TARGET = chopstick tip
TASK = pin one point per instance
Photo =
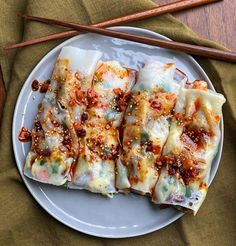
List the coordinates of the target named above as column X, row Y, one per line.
column 9, row 47
column 21, row 15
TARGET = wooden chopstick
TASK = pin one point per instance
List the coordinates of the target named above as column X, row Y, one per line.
column 172, row 45
column 167, row 8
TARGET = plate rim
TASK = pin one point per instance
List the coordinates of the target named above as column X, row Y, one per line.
column 27, row 183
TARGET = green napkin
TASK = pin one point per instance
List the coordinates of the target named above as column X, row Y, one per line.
column 22, row 220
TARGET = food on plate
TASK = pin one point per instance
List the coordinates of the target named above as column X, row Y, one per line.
column 146, row 126
column 54, row 140
column 190, row 148
column 97, row 130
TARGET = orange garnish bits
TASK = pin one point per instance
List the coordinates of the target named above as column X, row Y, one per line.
column 24, row 135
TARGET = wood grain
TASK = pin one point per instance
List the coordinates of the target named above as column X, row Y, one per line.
column 216, row 22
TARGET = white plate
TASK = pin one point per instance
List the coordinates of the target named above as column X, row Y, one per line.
column 124, row 215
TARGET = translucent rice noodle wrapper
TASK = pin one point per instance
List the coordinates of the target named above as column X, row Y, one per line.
column 190, row 148
column 107, row 101
column 54, row 140
column 146, row 125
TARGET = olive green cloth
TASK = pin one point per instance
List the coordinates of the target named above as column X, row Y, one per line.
column 22, row 220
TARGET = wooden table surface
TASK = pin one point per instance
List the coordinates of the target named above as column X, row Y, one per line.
column 215, row 21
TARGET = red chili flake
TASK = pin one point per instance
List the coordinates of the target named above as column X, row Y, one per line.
column 79, row 130
column 35, row 85
column 118, row 91
column 46, row 152
column 37, row 125
column 55, row 123
column 172, row 111
column 187, row 175
column 199, row 84
column 188, row 163
column 186, row 178
column 178, row 116
column 197, row 105
column 155, row 104
column 122, row 100
column 139, row 166
column 158, row 162
column 156, row 149
column 81, row 133
column 108, row 126
column 203, row 185
column 79, row 97
column 77, row 126
column 24, row 135
column 133, row 179
column 115, row 152
column 217, row 118
column 67, row 140
column 72, row 103
column 84, row 116
column 93, row 98
column 149, row 146
column 168, row 159
column 98, row 141
column 196, row 135
column 44, row 86
column 172, row 170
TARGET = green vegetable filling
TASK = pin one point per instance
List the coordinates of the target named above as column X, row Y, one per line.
column 171, row 180
column 66, row 184
column 54, row 169
column 106, row 150
column 42, row 162
column 188, row 192
column 144, row 137
column 165, row 188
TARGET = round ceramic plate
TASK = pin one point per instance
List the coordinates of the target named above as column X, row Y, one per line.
column 124, row 215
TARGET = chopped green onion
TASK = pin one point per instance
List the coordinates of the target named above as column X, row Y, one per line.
column 66, row 184
column 144, row 137
column 42, row 162
column 188, row 192
column 54, row 169
column 165, row 188
column 106, row 150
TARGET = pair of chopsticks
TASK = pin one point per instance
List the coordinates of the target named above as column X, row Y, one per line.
column 168, row 8
column 178, row 46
